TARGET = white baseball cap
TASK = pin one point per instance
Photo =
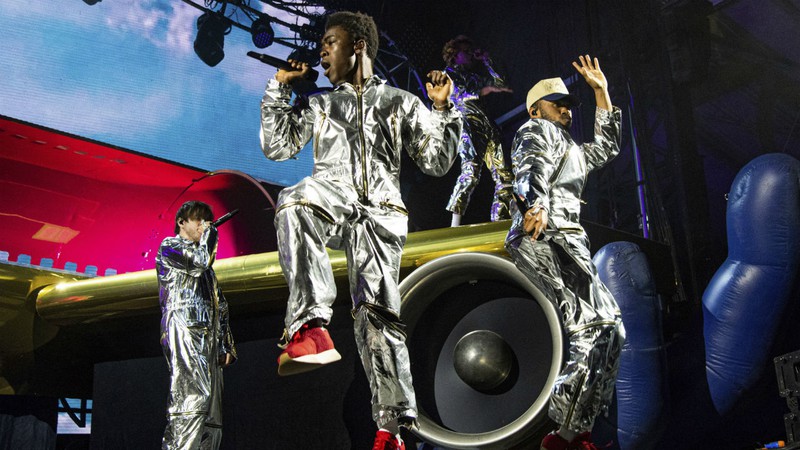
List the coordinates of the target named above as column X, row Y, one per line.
column 551, row 89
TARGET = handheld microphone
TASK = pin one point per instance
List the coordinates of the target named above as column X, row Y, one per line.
column 225, row 218
column 281, row 64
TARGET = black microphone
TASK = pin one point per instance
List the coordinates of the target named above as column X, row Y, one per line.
column 225, row 218
column 281, row 64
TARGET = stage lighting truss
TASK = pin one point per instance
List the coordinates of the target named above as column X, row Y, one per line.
column 303, row 35
column 397, row 69
column 306, row 33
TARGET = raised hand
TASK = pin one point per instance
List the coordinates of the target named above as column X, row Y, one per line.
column 590, row 70
column 440, row 87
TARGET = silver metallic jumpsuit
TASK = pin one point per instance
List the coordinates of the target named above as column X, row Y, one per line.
column 550, row 172
column 194, row 334
column 352, row 202
column 480, row 143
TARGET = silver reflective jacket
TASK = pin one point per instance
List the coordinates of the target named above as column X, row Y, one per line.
column 195, row 333
column 358, row 135
column 550, row 170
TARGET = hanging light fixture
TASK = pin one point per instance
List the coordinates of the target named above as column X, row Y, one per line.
column 210, row 39
column 262, row 32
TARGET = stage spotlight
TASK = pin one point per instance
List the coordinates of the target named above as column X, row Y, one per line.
column 262, row 32
column 210, row 39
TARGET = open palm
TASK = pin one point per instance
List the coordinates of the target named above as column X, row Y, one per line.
column 590, row 70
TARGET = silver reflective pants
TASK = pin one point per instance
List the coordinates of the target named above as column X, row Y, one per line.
column 316, row 213
column 594, row 329
column 481, row 144
column 194, row 406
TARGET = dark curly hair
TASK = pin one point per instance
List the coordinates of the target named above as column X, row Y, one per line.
column 193, row 209
column 453, row 46
column 360, row 26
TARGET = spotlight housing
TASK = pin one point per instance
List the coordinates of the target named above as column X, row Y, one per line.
column 210, row 39
column 262, row 32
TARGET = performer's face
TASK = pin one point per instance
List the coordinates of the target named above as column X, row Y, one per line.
column 463, row 57
column 557, row 112
column 192, row 229
column 337, row 55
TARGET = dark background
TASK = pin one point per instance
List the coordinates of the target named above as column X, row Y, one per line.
column 705, row 86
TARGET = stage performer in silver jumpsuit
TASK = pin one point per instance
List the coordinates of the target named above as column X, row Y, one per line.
column 548, row 244
column 474, row 78
column 195, row 335
column 352, row 202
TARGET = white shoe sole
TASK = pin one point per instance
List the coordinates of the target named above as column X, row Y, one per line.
column 306, row 363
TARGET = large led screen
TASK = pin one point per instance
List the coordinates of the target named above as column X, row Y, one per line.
column 125, row 72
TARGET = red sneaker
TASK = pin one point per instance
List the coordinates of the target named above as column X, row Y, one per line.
column 309, row 349
column 582, row 441
column 386, row 441
column 554, row 442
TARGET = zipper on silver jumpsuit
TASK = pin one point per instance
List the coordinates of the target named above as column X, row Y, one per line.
column 359, row 110
column 422, row 146
column 574, row 401
column 597, row 323
column 396, row 208
column 319, row 210
column 582, row 162
column 319, row 133
column 395, row 140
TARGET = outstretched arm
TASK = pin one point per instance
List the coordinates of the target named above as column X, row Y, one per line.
column 497, row 82
column 596, row 79
column 605, row 144
column 486, row 90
